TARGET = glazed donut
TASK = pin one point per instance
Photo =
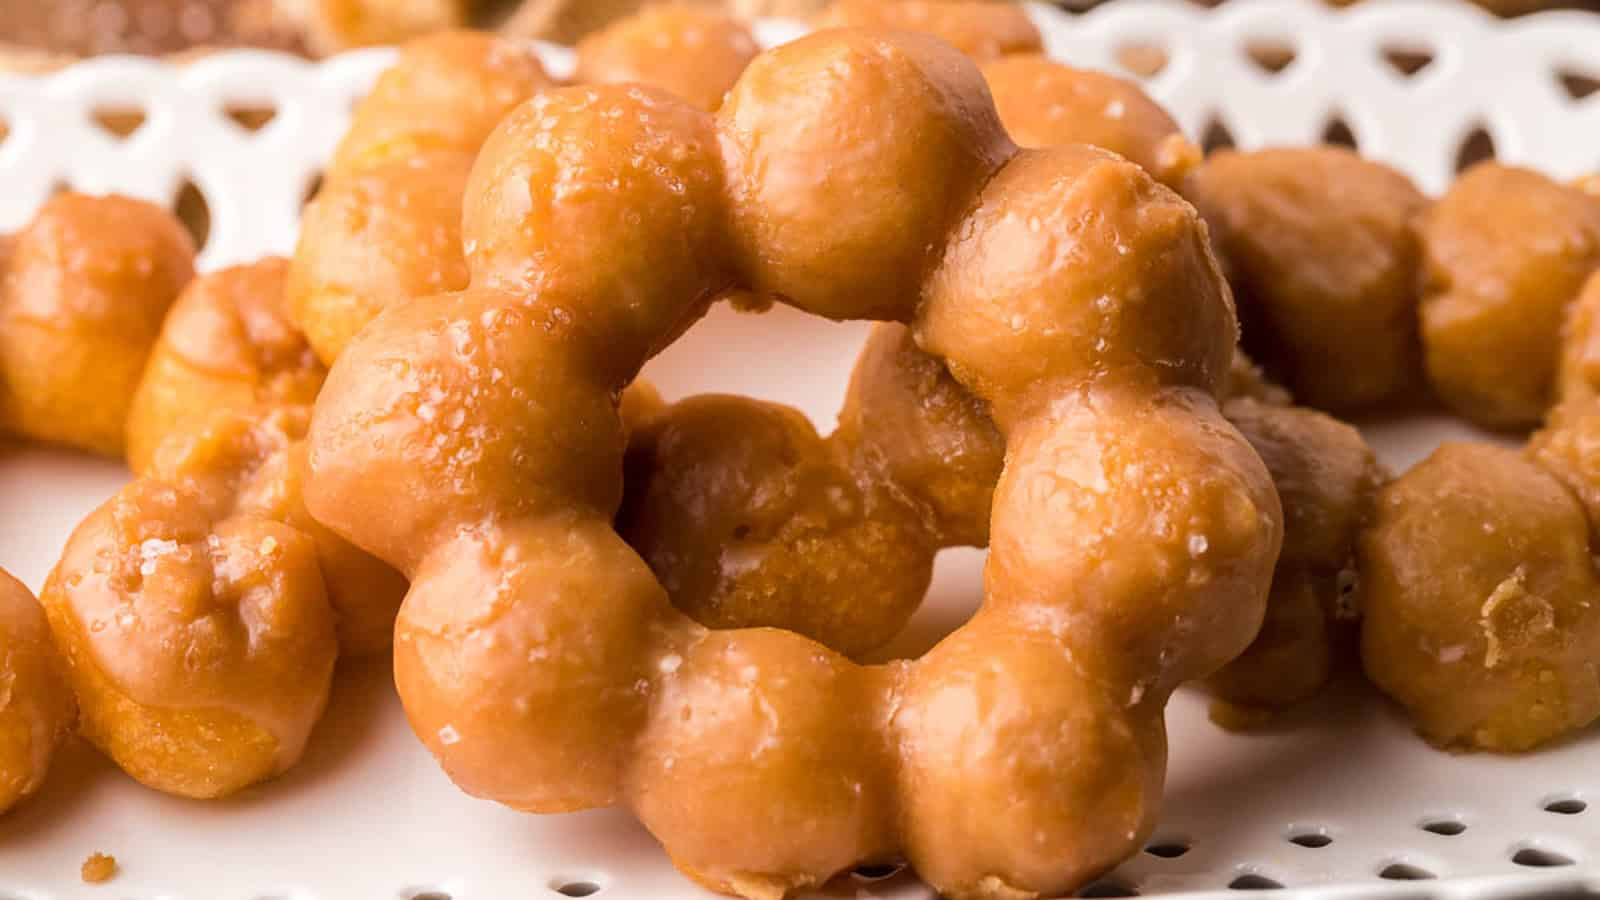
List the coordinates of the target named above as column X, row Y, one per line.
column 1480, row 563
column 472, row 439
column 83, row 290
column 194, row 615
column 39, row 710
column 227, row 346
column 1505, row 252
column 982, row 30
column 696, row 52
column 1044, row 103
column 386, row 224
column 227, row 343
column 1319, row 248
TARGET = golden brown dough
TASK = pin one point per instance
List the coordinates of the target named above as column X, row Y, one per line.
column 472, row 439
column 696, row 52
column 749, row 518
column 1318, row 245
column 1044, row 103
column 195, row 621
column 39, row 709
column 1327, row 479
column 981, row 30
column 1505, row 251
column 386, row 225
column 1480, row 613
column 227, row 343
column 228, row 347
column 83, row 291
column 1480, row 607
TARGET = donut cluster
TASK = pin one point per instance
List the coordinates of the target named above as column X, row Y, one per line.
column 472, row 439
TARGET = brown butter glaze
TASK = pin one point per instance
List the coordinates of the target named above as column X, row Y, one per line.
column 1319, row 247
column 696, row 52
column 386, row 224
column 83, row 291
column 37, row 709
column 1505, row 252
column 196, row 624
column 472, row 439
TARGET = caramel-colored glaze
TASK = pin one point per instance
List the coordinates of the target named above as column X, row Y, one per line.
column 696, row 52
column 1318, row 245
column 1505, row 253
column 1327, row 479
column 194, row 617
column 749, row 518
column 1569, row 443
column 82, row 294
column 979, row 29
column 386, row 225
column 228, row 346
column 37, row 709
column 1044, row 103
column 227, row 343
column 1480, row 575
column 473, row 440
column 1480, row 616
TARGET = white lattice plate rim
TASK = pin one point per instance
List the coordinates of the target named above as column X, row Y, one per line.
column 368, row 815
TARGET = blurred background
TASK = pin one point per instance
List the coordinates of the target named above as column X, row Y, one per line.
column 42, row 34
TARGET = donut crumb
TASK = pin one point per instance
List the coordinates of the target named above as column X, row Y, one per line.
column 99, row 868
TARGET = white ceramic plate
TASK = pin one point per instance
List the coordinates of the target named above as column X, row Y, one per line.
column 369, row 815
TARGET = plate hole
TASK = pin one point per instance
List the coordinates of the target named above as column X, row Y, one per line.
column 1408, row 61
column 1216, row 136
column 1142, row 58
column 250, row 116
column 1314, row 840
column 1444, row 827
column 1578, row 85
column 1108, row 889
column 1565, row 806
column 1540, row 858
column 1271, row 55
column 1250, row 881
column 1405, row 872
column 192, row 209
column 576, row 888
column 1338, row 133
column 1476, row 147
column 877, row 871
column 1168, row 849
column 117, row 120
column 431, row 895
